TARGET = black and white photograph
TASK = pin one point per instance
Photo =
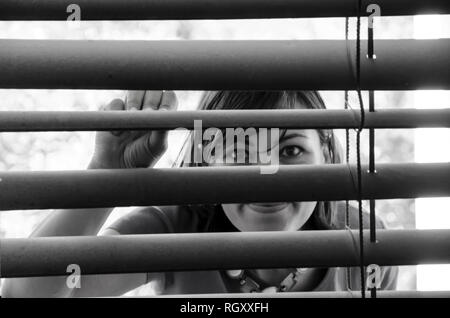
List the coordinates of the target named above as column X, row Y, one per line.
column 225, row 154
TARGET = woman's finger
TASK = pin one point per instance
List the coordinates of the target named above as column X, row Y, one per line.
column 152, row 100
column 116, row 104
column 134, row 100
column 169, row 101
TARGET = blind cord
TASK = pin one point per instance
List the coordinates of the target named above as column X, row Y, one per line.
column 347, row 159
column 358, row 148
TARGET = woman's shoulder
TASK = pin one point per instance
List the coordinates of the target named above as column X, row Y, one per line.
column 158, row 219
column 353, row 215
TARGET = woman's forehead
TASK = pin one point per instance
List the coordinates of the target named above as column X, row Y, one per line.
column 283, row 134
column 301, row 133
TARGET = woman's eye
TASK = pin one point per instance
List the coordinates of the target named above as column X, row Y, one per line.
column 292, row 151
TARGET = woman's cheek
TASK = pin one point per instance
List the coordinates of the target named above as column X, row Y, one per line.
column 302, row 212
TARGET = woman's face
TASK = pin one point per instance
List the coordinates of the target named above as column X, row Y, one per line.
column 295, row 147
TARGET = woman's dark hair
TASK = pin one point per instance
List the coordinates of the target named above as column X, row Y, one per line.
column 324, row 214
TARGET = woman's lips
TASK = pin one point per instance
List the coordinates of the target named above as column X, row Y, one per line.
column 268, row 207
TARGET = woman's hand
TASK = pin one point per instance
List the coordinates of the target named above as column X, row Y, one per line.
column 133, row 149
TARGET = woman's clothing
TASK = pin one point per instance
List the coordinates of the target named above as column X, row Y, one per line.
column 186, row 219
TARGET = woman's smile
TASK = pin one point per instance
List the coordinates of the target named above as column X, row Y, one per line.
column 268, row 207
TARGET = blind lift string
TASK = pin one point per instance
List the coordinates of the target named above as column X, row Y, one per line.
column 371, row 56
